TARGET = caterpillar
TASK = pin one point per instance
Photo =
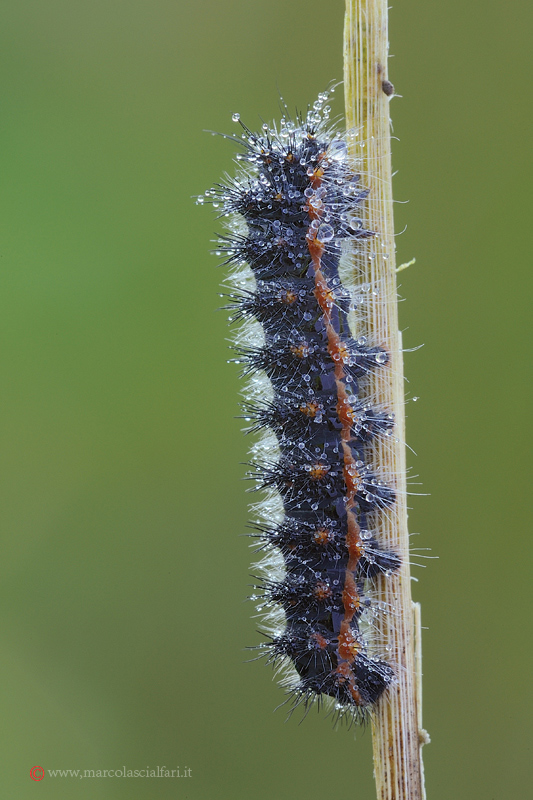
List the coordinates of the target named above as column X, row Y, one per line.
column 293, row 214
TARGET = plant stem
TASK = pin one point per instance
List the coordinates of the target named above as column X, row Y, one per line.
column 396, row 725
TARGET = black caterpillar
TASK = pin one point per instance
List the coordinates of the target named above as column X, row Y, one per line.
column 299, row 199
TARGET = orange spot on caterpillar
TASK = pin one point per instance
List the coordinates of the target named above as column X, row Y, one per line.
column 338, row 351
column 323, row 294
column 348, row 644
column 288, row 297
column 300, row 350
column 322, row 536
column 346, row 675
column 351, row 477
column 316, row 178
column 318, row 471
column 309, row 409
column 345, row 412
column 350, row 595
column 344, row 672
column 353, row 542
column 316, row 249
column 322, row 590
column 321, row 641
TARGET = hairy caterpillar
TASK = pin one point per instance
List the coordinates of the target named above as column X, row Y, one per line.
column 292, row 217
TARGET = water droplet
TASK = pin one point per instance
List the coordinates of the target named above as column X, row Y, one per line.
column 354, row 221
column 325, row 233
column 337, row 150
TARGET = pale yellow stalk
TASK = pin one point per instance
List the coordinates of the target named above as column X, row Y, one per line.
column 396, row 725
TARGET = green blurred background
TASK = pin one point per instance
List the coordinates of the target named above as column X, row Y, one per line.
column 123, row 572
